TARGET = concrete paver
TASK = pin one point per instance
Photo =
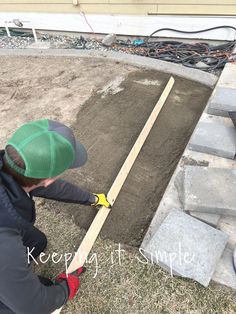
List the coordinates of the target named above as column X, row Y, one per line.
column 214, row 138
column 187, row 247
column 210, row 190
column 223, row 97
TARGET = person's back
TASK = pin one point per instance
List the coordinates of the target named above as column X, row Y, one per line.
column 20, row 289
column 34, row 157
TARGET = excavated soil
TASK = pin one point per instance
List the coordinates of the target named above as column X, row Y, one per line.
column 108, row 125
column 107, row 104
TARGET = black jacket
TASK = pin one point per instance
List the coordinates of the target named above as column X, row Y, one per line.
column 20, row 288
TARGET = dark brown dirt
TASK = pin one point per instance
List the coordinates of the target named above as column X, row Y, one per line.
column 109, row 126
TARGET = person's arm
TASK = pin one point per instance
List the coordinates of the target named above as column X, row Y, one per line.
column 63, row 191
column 20, row 289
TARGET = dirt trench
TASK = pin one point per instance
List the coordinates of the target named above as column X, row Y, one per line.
column 108, row 125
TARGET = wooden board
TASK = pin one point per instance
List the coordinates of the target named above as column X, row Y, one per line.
column 96, row 226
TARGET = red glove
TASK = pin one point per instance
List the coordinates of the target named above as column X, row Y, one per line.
column 72, row 280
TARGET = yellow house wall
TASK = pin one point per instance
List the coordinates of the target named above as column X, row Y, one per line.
column 197, row 7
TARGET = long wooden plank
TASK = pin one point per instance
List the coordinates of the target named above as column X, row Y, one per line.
column 96, row 226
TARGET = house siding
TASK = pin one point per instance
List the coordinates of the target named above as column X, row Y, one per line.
column 143, row 7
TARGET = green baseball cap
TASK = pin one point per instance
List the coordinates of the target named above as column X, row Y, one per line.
column 47, row 147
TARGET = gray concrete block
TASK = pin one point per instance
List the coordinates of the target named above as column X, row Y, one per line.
column 187, row 247
column 210, row 190
column 214, row 138
column 223, row 98
column 227, row 77
column 210, row 219
column 224, row 273
column 222, row 101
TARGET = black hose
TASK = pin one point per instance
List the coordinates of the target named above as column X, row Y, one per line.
column 198, row 55
column 191, row 32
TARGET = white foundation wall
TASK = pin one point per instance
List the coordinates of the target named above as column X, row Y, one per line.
column 131, row 25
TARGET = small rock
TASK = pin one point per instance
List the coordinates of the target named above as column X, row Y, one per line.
column 109, row 40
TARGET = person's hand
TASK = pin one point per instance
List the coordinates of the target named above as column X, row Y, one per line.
column 101, row 200
column 72, row 281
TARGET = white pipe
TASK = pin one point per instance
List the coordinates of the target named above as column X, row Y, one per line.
column 7, row 30
column 35, row 35
column 11, row 22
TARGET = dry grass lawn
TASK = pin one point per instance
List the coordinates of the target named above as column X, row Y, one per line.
column 125, row 284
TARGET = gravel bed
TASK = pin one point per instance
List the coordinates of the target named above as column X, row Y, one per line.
column 63, row 42
column 57, row 42
column 15, row 42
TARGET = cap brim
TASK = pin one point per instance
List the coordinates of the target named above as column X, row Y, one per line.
column 81, row 156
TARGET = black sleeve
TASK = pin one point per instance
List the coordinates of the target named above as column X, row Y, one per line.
column 63, row 191
column 20, row 288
